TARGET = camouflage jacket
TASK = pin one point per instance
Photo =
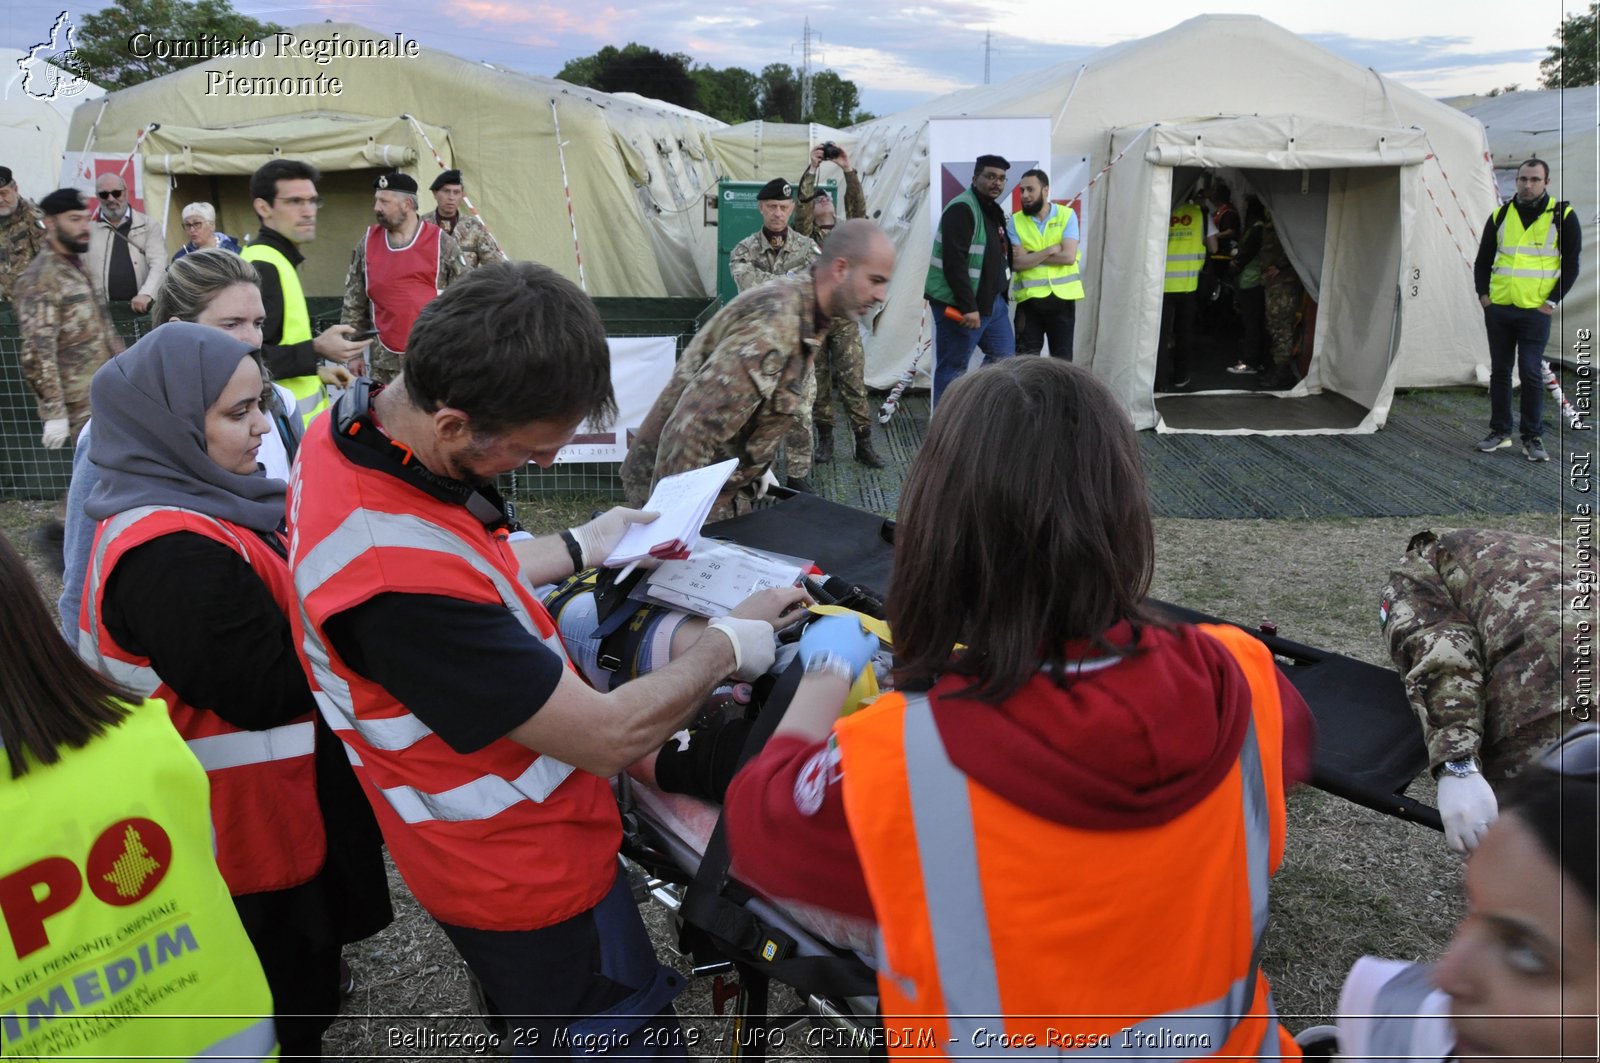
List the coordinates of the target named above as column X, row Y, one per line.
column 478, row 245
column 1473, row 620
column 66, row 334
column 754, row 261
column 741, row 385
column 21, row 240
column 855, row 202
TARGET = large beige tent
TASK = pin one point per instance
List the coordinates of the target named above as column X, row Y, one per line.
column 1558, row 126
column 638, row 172
column 1379, row 190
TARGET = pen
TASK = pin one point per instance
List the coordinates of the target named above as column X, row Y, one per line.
column 627, row 570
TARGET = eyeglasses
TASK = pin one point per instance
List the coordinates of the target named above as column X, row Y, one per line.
column 1576, row 755
column 301, row 201
column 112, row 193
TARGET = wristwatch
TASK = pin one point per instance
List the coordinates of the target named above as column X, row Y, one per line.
column 1459, row 768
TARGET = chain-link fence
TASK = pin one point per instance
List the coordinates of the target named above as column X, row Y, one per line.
column 29, row 471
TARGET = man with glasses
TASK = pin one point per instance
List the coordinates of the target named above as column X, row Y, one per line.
column 284, row 195
column 127, row 251
column 1473, row 619
column 968, row 275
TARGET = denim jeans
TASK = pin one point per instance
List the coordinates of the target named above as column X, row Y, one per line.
column 1516, row 338
column 953, row 343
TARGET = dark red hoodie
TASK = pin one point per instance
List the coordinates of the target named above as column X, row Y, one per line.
column 1129, row 742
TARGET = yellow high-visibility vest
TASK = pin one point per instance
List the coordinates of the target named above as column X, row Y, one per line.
column 310, row 398
column 1186, row 248
column 1527, row 261
column 1061, row 281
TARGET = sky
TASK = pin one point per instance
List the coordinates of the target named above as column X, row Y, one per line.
column 905, row 53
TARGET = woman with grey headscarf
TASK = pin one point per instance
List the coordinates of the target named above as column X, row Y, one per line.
column 187, row 599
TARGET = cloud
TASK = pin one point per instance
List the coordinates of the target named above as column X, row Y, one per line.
column 873, row 68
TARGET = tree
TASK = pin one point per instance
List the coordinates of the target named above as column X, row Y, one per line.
column 780, row 93
column 1574, row 57
column 731, row 95
column 835, row 100
column 116, row 46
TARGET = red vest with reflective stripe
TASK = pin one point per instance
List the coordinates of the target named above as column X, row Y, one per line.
column 498, row 839
column 1078, row 937
column 401, row 281
column 263, row 783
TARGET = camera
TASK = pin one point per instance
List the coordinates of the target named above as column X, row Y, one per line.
column 830, row 150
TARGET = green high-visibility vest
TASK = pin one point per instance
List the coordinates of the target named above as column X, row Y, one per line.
column 937, row 286
column 1186, row 248
column 1527, row 261
column 1042, row 280
column 310, row 398
column 121, row 937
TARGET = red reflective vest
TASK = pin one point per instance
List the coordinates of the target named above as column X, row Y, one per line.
column 263, row 783
column 498, row 839
column 401, row 281
column 1004, row 931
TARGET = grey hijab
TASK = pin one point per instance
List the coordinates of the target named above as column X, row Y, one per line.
column 149, row 437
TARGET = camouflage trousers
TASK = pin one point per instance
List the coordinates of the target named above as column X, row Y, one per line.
column 383, row 364
column 797, row 441
column 843, row 362
column 1283, row 305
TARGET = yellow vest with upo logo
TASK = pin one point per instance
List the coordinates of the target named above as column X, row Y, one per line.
column 121, row 939
column 1186, row 248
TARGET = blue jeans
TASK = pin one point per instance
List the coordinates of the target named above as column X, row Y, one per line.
column 953, row 343
column 1516, row 337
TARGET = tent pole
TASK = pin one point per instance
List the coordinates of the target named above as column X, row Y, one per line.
column 572, row 219
column 423, row 133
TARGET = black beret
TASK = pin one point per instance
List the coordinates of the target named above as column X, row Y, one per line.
column 985, row 161
column 5, row 176
column 396, row 182
column 449, row 177
column 62, row 200
column 777, row 188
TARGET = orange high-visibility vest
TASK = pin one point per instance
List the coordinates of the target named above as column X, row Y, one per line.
column 263, row 783
column 502, row 838
column 1004, row 932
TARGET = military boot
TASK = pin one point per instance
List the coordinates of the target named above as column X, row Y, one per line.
column 822, row 447
column 864, row 452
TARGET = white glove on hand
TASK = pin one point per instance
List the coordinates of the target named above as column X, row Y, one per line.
column 600, row 536
column 1467, row 806
column 55, row 434
column 754, row 646
column 765, row 484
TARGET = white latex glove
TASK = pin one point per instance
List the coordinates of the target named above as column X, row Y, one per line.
column 766, row 483
column 1467, row 806
column 753, row 645
column 601, row 535
column 55, row 434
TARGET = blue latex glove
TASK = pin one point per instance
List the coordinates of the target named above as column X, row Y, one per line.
column 841, row 635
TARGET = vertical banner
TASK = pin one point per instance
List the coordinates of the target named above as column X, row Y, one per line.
column 954, row 145
column 82, row 169
column 640, row 369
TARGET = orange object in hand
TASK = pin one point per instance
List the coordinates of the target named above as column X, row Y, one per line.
column 954, row 315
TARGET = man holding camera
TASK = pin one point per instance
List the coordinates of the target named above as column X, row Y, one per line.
column 842, row 359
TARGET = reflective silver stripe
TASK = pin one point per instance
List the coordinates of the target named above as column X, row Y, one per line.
column 947, row 846
column 1198, row 256
column 366, row 529
column 256, row 1041
column 215, row 752
column 1172, row 273
column 1536, row 274
column 1395, row 1009
column 141, row 679
column 485, row 796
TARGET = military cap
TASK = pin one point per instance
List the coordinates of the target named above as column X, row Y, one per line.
column 5, row 176
column 777, row 188
column 62, row 200
column 449, row 177
column 999, row 163
column 396, row 182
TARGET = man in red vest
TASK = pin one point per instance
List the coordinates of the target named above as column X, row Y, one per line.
column 398, row 268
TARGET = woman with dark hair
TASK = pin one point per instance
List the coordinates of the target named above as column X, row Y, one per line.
column 84, row 860
column 1521, row 977
column 187, row 599
column 1068, row 812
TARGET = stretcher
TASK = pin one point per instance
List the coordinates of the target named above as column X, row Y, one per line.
column 1369, row 749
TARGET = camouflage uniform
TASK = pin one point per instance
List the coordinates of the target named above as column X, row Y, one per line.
column 754, row 261
column 21, row 240
column 1473, row 620
column 737, row 392
column 1282, row 295
column 384, row 364
column 478, row 245
column 844, row 360
column 66, row 335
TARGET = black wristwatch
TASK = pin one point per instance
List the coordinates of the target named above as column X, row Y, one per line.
column 1459, row 768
